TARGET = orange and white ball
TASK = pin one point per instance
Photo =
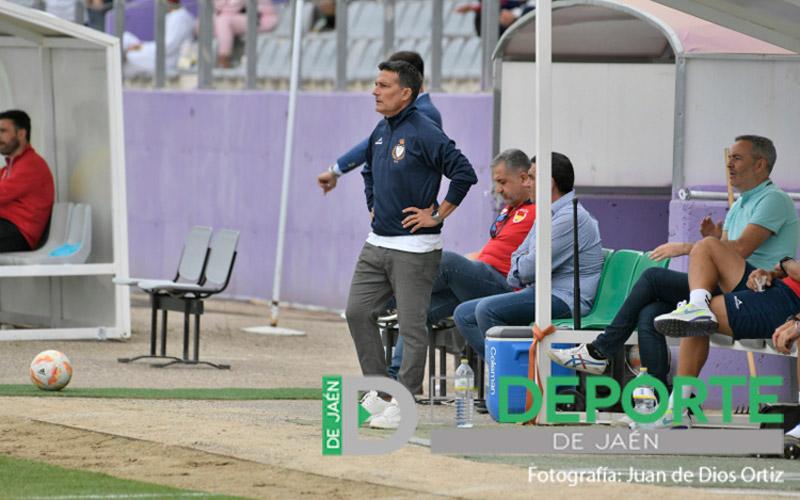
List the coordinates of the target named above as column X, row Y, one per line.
column 51, row 370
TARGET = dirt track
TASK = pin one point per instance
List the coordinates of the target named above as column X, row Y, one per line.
column 262, row 449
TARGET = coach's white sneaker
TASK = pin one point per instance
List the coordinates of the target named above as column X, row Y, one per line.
column 687, row 320
column 578, row 358
column 389, row 419
column 374, row 404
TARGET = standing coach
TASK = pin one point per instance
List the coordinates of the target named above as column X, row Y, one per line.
column 406, row 158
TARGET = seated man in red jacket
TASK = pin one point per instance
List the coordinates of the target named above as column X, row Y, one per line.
column 26, row 186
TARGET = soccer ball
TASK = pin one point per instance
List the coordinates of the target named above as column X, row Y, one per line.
column 51, row 370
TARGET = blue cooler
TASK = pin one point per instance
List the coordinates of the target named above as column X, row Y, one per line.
column 507, row 355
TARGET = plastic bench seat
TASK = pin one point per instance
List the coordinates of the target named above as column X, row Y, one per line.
column 69, row 240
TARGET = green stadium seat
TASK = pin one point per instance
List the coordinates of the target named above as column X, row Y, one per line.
column 644, row 263
column 615, row 282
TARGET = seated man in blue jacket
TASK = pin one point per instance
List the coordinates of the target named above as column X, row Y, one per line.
column 407, row 155
column 473, row 318
column 357, row 156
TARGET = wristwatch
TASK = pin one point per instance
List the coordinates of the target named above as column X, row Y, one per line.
column 782, row 262
column 435, row 216
column 332, row 169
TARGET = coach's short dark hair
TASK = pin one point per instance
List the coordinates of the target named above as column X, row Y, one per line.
column 412, row 58
column 762, row 148
column 408, row 75
column 514, row 160
column 563, row 173
column 20, row 119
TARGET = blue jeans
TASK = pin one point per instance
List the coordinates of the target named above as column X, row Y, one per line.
column 657, row 292
column 475, row 317
column 458, row 280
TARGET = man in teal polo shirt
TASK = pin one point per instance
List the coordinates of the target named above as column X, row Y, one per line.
column 763, row 210
column 762, row 227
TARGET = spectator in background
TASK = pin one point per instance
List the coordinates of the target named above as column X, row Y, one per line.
column 27, row 191
column 65, row 9
column 96, row 13
column 324, row 16
column 230, row 21
column 140, row 57
column 510, row 11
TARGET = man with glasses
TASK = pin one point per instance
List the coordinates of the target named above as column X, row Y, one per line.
column 483, row 273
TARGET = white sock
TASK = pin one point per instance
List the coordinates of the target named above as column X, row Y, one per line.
column 700, row 298
column 794, row 432
column 686, row 392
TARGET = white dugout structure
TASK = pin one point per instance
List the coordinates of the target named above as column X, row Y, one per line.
column 68, row 78
column 644, row 96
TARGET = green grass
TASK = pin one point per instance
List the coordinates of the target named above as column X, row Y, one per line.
column 31, row 479
column 198, row 394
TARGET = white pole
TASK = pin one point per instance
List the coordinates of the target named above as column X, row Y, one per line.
column 544, row 169
column 297, row 34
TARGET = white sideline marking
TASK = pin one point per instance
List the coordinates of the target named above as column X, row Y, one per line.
column 133, row 495
column 274, row 330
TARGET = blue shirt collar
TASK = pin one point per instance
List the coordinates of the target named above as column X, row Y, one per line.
column 564, row 200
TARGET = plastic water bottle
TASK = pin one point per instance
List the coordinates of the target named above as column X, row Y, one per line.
column 644, row 397
column 464, row 385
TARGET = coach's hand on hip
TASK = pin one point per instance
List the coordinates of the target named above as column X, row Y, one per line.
column 426, row 217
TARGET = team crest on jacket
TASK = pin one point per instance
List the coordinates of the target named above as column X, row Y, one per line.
column 399, row 151
column 520, row 215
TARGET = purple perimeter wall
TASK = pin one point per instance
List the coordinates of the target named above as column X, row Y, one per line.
column 215, row 158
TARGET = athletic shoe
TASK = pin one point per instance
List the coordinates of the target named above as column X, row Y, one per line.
column 389, row 419
column 374, row 404
column 578, row 358
column 687, row 320
column 791, row 447
column 667, row 421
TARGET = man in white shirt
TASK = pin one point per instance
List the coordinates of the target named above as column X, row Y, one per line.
column 140, row 57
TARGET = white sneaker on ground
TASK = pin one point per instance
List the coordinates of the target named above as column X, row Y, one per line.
column 687, row 320
column 578, row 358
column 667, row 421
column 374, row 404
column 389, row 419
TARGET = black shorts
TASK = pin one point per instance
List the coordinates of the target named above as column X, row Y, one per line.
column 756, row 315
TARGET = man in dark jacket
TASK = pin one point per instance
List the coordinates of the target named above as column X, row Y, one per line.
column 406, row 156
column 357, row 155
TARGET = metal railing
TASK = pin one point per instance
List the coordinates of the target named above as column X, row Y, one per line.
column 696, row 194
column 206, row 59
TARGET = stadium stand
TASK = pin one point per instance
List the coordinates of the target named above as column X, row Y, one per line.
column 461, row 50
column 460, row 59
